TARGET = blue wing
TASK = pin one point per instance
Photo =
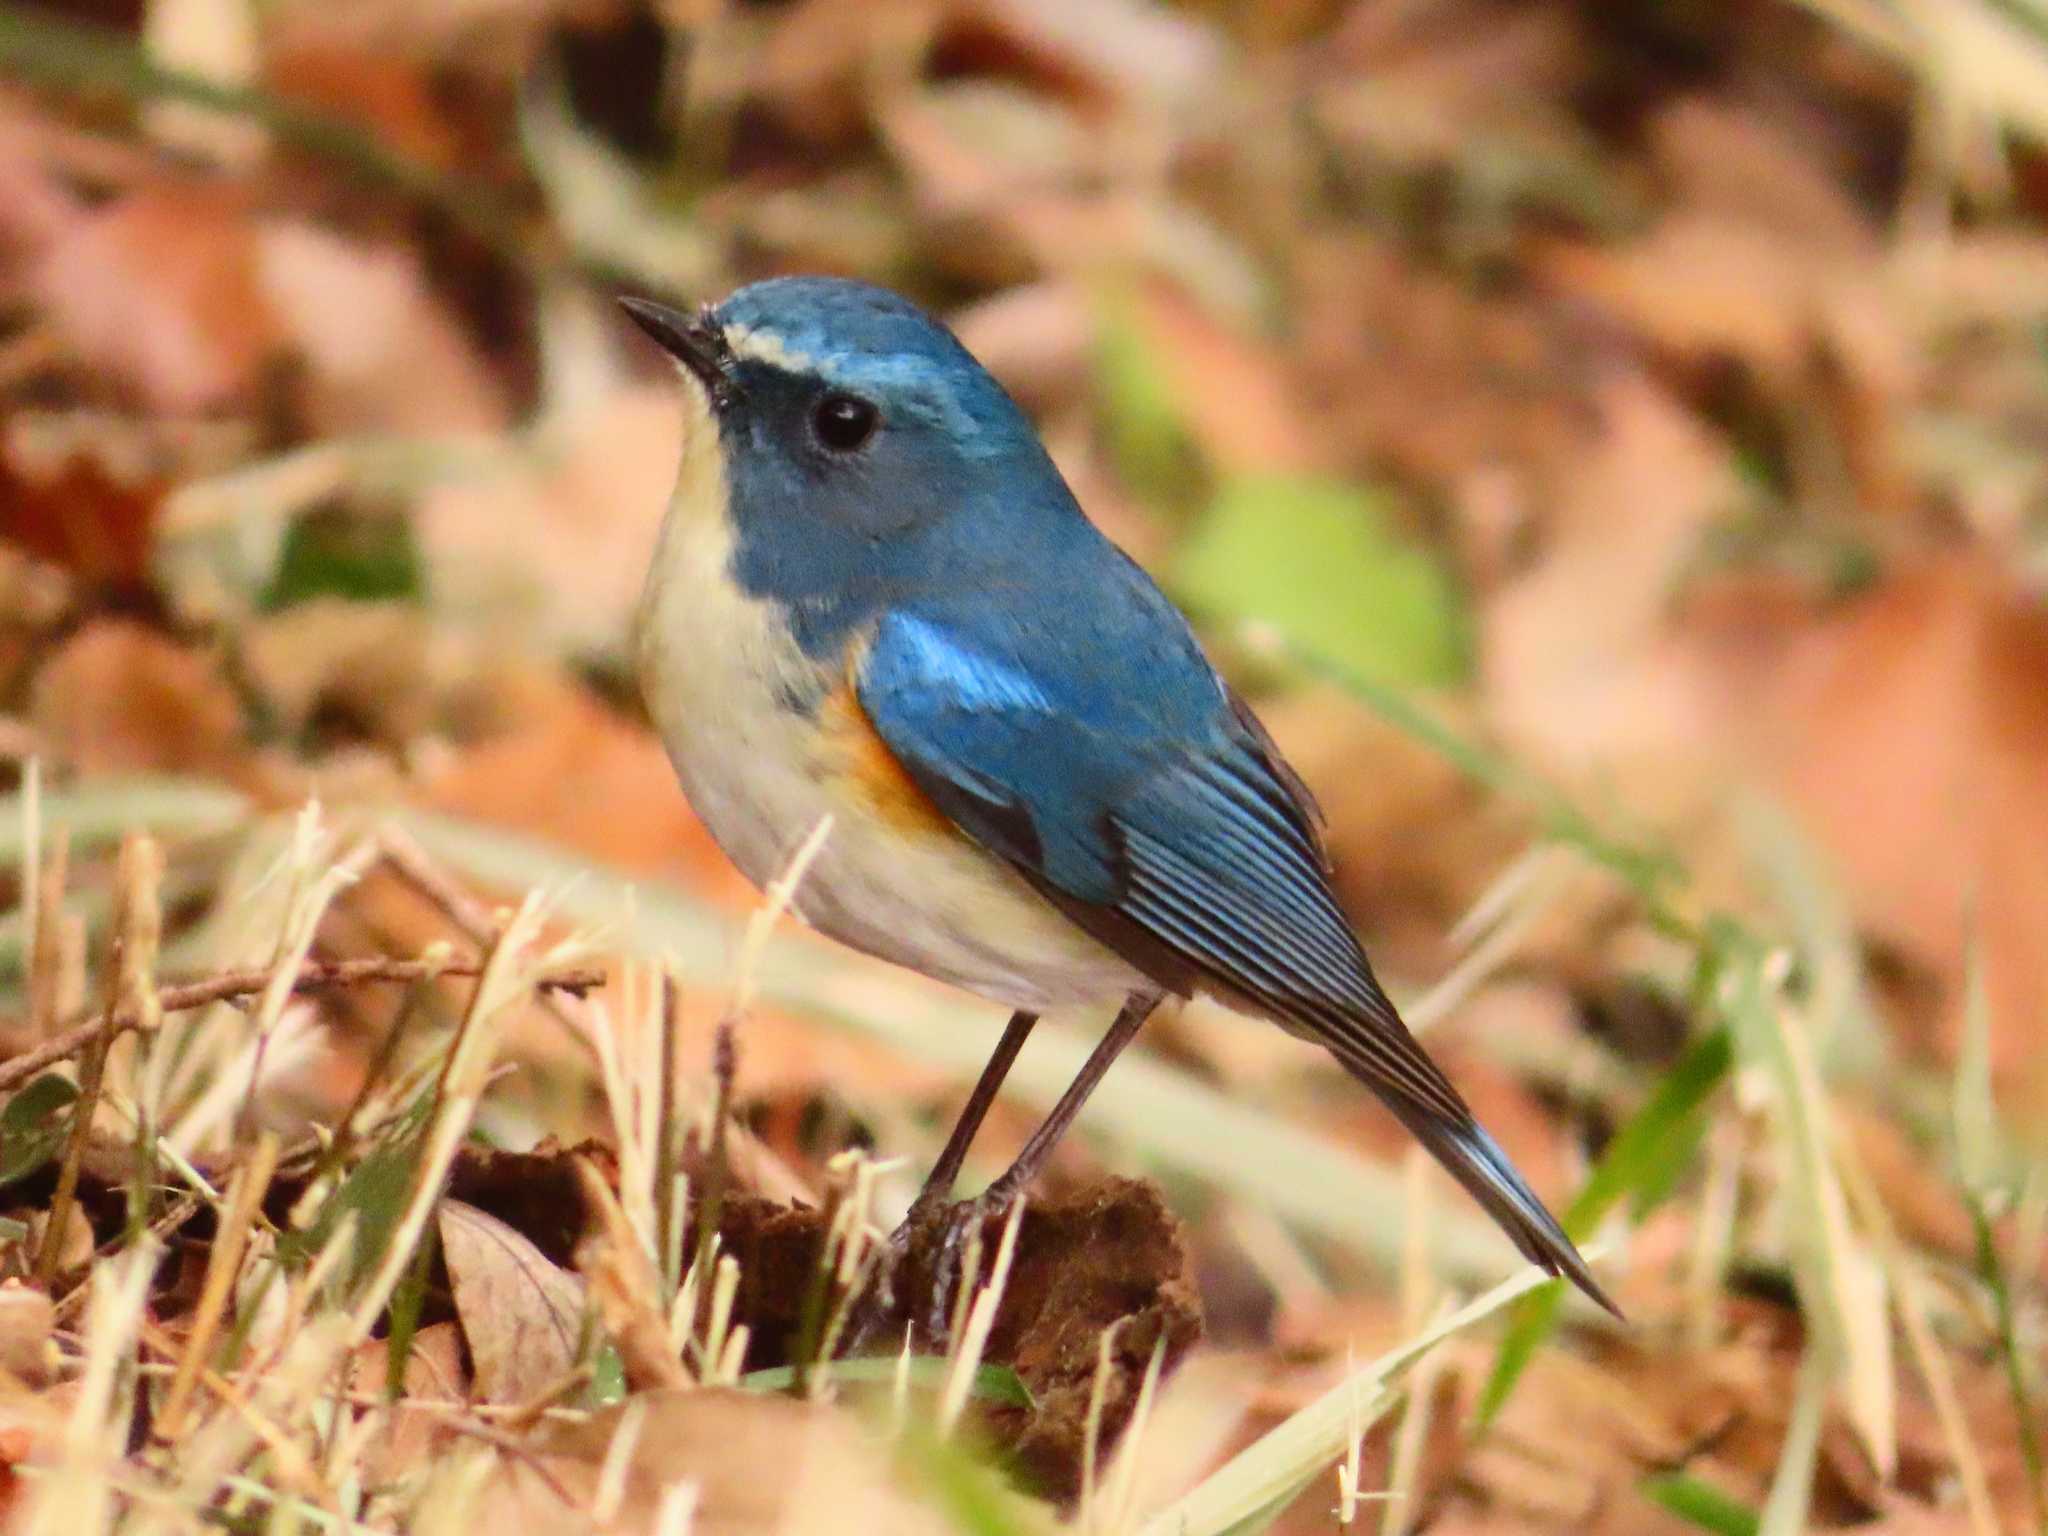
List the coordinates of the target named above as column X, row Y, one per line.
column 1149, row 806
column 1146, row 802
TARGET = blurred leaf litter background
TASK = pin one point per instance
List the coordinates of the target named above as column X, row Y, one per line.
column 1610, row 441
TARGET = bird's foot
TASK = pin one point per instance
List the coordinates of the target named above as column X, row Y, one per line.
column 958, row 1225
column 918, row 1278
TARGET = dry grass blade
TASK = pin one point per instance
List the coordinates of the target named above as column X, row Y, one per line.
column 45, row 945
column 1982, row 55
column 1785, row 1512
column 1910, row 1300
column 1398, row 1515
column 223, row 1263
column 626, row 1289
column 1123, row 1487
column 76, row 1494
column 508, row 975
column 138, row 924
column 32, row 876
column 1274, row 1469
column 1840, row 1283
column 971, row 1339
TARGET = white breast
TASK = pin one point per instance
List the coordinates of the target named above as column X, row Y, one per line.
column 717, row 668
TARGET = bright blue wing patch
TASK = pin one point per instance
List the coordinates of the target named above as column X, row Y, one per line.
column 966, row 680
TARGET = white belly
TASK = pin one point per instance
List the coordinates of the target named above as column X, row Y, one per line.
column 716, row 668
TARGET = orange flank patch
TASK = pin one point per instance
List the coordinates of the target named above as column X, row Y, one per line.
column 872, row 774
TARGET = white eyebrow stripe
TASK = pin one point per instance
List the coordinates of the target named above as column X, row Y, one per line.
column 767, row 347
column 912, row 373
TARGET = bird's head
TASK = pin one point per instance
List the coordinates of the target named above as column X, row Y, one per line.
column 860, row 450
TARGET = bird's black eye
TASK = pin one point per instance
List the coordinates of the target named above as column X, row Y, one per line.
column 844, row 422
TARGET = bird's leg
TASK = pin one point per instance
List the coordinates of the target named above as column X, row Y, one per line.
column 962, row 1218
column 1018, row 1176
column 999, row 1196
column 938, row 1186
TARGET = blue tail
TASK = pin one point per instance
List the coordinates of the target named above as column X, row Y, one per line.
column 1476, row 1160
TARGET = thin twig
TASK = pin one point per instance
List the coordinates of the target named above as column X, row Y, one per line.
column 231, row 985
column 405, row 858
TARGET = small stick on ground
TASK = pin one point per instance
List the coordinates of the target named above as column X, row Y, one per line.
column 411, row 863
column 232, row 985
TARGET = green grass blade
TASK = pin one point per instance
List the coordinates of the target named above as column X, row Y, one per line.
column 1701, row 1504
column 1642, row 1160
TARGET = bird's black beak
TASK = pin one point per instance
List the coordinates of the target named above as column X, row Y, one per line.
column 693, row 341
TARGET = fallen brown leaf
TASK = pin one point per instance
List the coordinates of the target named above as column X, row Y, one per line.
column 1576, row 683
column 119, row 697
column 26, row 1320
column 1910, row 730
column 433, row 1375
column 570, row 771
column 83, row 510
column 521, row 1315
column 549, row 550
column 1238, row 394
column 159, row 291
column 380, row 351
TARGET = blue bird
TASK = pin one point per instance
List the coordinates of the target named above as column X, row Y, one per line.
column 875, row 598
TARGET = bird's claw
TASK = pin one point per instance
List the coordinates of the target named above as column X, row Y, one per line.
column 919, row 1272
column 958, row 1224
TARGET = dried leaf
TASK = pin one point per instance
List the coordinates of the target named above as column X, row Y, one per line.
column 160, row 291
column 433, row 1375
column 121, row 698
column 27, row 1319
column 522, row 1315
column 381, row 352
